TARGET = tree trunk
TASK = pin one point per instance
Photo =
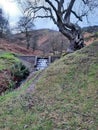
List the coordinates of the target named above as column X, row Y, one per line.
column 28, row 44
column 1, row 34
column 76, row 43
column 77, row 39
column 27, row 38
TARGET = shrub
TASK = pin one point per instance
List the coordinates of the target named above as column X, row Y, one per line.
column 19, row 72
column 11, row 85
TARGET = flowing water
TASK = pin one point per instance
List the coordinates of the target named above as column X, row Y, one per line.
column 42, row 63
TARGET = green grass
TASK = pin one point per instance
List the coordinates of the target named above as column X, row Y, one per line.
column 6, row 60
column 66, row 97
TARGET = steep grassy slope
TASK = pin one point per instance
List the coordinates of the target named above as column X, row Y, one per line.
column 65, row 98
column 69, row 90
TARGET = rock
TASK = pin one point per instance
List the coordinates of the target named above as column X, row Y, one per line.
column 25, row 126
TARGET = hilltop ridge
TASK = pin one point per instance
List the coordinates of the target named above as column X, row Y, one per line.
column 46, row 40
column 91, row 29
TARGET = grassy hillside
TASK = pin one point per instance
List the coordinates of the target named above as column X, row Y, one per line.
column 6, row 61
column 12, row 71
column 65, row 98
column 10, row 46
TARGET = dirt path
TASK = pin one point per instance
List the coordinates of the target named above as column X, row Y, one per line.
column 32, row 86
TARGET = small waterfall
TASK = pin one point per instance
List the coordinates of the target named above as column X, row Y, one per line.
column 42, row 63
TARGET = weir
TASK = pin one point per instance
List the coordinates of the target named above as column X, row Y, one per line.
column 42, row 63
column 38, row 62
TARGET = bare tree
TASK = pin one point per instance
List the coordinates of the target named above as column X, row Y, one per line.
column 4, row 24
column 25, row 25
column 62, row 13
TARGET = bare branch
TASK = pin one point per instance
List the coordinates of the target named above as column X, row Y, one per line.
column 77, row 16
column 60, row 6
column 50, row 3
column 85, row 1
column 68, row 11
column 37, row 9
column 39, row 16
column 57, row 1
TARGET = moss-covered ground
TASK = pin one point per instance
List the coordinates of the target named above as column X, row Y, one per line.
column 6, row 60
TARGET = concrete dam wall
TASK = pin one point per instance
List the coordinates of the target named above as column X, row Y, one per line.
column 38, row 62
